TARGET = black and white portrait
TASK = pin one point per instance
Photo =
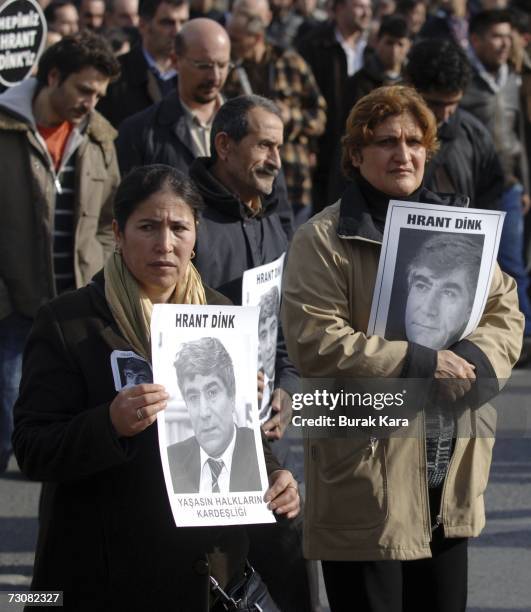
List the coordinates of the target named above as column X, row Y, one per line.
column 220, row 457
column 267, row 343
column 129, row 369
column 434, row 287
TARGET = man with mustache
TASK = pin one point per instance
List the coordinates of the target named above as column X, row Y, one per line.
column 176, row 130
column 240, row 229
column 272, row 71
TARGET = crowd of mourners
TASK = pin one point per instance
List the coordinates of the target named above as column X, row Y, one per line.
column 162, row 148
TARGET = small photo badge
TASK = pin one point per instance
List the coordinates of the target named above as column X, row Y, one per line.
column 129, row 369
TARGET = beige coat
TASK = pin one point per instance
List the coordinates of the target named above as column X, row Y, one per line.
column 27, row 188
column 363, row 503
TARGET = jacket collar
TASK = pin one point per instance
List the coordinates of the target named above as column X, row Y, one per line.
column 450, row 129
column 170, row 110
column 218, row 197
column 327, row 37
column 494, row 83
column 18, row 100
column 355, row 220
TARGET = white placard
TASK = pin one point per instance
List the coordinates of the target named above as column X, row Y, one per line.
column 205, row 356
column 262, row 287
column 435, row 271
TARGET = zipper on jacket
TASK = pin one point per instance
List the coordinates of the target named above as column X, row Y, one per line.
column 372, row 445
column 439, row 518
column 428, row 531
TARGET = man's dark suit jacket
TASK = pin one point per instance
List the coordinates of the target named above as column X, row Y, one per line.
column 185, row 464
column 135, row 90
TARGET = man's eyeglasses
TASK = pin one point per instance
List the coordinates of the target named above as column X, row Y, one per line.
column 208, row 66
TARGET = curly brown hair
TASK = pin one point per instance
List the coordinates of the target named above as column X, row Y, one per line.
column 376, row 107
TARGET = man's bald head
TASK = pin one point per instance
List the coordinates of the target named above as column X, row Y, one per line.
column 202, row 50
column 201, row 32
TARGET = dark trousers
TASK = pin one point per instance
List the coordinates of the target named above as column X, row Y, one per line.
column 275, row 550
column 438, row 584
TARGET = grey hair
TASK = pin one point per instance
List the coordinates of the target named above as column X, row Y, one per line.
column 203, row 357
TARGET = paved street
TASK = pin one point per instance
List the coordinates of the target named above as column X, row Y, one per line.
column 500, row 560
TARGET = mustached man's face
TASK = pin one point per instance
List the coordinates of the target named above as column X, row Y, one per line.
column 438, row 307
column 75, row 97
column 267, row 345
column 254, row 162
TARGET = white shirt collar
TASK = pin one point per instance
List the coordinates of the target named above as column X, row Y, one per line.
column 205, row 485
column 354, row 54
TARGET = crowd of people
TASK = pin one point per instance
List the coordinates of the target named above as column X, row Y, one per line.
column 161, row 149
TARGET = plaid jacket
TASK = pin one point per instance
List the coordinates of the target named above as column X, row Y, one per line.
column 291, row 83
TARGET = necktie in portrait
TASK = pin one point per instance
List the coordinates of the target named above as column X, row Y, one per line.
column 215, row 468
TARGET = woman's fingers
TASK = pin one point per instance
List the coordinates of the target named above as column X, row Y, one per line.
column 283, row 494
column 135, row 408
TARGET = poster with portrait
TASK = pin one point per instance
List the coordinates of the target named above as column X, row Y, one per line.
column 261, row 286
column 435, row 271
column 209, row 435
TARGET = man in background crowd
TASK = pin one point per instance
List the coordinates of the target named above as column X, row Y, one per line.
column 384, row 65
column 148, row 71
column 58, row 177
column 449, row 21
column 62, row 17
column 466, row 162
column 176, row 130
column 414, row 12
column 91, row 14
column 493, row 97
column 335, row 51
column 121, row 14
column 283, row 76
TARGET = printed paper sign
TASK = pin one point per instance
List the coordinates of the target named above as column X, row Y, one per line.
column 261, row 287
column 435, row 272
column 209, row 436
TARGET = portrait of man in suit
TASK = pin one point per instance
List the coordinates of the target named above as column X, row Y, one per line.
column 267, row 344
column 220, row 457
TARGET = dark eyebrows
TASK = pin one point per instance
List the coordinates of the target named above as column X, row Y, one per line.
column 422, row 278
column 182, row 222
column 454, row 286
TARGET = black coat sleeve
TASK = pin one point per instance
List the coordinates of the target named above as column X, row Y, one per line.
column 131, row 143
column 286, row 375
column 490, row 174
column 58, row 436
column 271, row 461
